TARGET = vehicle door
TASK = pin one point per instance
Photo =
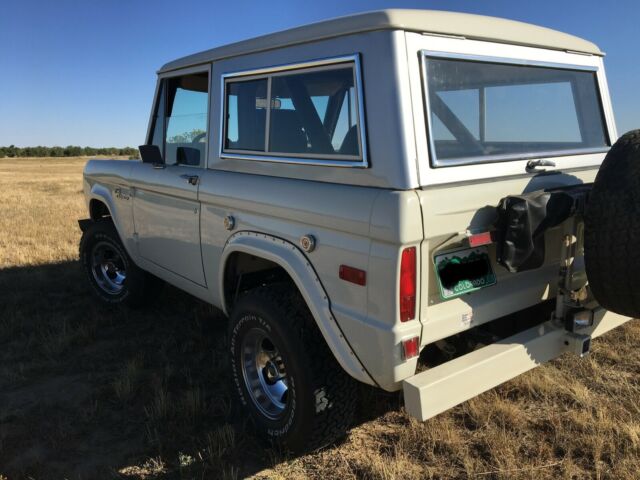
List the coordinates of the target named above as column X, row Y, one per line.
column 166, row 208
column 500, row 121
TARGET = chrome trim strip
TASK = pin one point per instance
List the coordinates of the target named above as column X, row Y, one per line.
column 223, row 111
column 506, row 60
column 148, row 138
column 290, row 66
column 267, row 121
column 309, row 159
column 477, row 160
column 359, row 92
column 295, row 160
column 457, row 162
column 260, row 153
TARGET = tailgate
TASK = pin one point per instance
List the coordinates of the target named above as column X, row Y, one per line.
column 449, row 212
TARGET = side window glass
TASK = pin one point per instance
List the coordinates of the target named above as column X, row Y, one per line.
column 246, row 115
column 346, row 123
column 299, row 113
column 310, row 113
column 187, row 106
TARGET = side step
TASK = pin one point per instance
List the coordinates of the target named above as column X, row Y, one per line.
column 436, row 390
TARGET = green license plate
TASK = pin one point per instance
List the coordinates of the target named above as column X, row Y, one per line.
column 463, row 271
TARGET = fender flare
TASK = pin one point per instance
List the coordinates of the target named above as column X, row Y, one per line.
column 295, row 263
column 103, row 194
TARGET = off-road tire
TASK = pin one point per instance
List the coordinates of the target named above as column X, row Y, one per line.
column 138, row 287
column 321, row 397
column 612, row 229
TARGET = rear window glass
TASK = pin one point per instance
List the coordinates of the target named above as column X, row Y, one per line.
column 482, row 111
column 308, row 113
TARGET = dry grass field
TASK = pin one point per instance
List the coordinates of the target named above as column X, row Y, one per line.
column 93, row 392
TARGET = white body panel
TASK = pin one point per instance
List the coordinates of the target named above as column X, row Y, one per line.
column 360, row 217
column 434, row 391
column 166, row 212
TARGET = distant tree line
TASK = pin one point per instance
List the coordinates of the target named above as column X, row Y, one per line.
column 69, row 151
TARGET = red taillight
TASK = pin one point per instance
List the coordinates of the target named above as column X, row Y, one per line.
column 408, row 284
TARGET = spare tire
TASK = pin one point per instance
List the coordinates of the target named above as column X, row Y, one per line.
column 612, row 229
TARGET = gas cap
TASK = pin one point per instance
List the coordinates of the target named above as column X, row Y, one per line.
column 229, row 222
column 308, row 243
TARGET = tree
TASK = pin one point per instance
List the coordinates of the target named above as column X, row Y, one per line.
column 68, row 151
column 186, row 137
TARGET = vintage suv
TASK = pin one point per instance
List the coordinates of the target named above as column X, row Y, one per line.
column 400, row 198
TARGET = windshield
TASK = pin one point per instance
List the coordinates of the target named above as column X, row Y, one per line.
column 483, row 111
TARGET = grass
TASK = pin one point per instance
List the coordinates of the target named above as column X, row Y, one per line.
column 93, row 392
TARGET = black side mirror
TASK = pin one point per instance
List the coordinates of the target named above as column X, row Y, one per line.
column 151, row 154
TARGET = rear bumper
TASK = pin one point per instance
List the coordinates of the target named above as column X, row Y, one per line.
column 433, row 391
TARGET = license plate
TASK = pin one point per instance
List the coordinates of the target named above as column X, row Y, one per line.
column 463, row 271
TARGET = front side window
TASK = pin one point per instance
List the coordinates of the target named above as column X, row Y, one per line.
column 482, row 111
column 187, row 100
column 308, row 113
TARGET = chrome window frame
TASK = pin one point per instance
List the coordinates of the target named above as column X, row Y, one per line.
column 477, row 160
column 328, row 160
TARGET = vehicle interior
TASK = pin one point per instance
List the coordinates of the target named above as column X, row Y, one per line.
column 186, row 119
column 311, row 113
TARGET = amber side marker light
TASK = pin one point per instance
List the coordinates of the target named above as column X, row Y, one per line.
column 353, row 275
column 408, row 284
column 479, row 239
column 410, row 348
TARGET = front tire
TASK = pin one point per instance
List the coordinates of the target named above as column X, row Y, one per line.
column 284, row 373
column 114, row 277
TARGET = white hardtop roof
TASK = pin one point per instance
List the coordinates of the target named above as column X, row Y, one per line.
column 478, row 27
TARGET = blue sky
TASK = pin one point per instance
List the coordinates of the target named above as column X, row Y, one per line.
column 82, row 72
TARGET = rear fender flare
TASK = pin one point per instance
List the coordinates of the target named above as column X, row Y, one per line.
column 299, row 268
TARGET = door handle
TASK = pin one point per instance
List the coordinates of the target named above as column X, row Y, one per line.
column 192, row 179
column 532, row 165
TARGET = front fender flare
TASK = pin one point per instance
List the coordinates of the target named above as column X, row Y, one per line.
column 103, row 194
column 294, row 262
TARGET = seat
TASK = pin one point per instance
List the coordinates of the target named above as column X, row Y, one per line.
column 350, row 143
column 189, row 155
column 286, row 132
column 252, row 132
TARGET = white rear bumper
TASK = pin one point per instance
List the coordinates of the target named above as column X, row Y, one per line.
column 433, row 391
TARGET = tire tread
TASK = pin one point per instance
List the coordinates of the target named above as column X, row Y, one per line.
column 340, row 390
column 612, row 228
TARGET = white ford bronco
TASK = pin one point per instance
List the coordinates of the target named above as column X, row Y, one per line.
column 405, row 198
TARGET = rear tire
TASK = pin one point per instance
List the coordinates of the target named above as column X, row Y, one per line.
column 285, row 376
column 612, row 229
column 114, row 277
